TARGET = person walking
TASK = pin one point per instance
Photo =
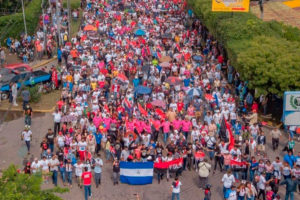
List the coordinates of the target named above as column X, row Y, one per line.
column 26, row 97
column 57, row 119
column 227, row 180
column 116, row 171
column 2, row 57
column 27, row 137
column 69, row 170
column 204, row 169
column 87, row 180
column 275, row 133
column 14, row 93
column 53, row 163
column 28, row 115
column 176, row 189
column 291, row 187
column 97, row 164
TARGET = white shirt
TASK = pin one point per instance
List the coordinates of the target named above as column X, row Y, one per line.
column 35, row 166
column 26, row 135
column 54, row 164
column 82, row 146
column 232, row 195
column 261, row 183
column 228, row 180
column 44, row 164
column 78, row 169
column 176, row 189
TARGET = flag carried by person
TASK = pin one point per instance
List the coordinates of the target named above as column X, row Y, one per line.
column 136, row 173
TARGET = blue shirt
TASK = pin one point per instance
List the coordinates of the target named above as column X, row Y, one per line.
column 186, row 82
column 98, row 138
column 136, row 82
column 289, row 159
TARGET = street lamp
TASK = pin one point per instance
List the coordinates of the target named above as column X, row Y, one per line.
column 24, row 17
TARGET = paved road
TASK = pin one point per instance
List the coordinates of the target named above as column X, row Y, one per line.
column 13, row 151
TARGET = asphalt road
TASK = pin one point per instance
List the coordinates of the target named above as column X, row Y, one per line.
column 13, row 151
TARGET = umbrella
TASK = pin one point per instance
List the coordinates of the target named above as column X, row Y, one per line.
column 173, row 80
column 165, row 64
column 142, row 90
column 90, row 28
column 194, row 92
column 197, row 58
column 140, row 32
column 122, row 77
column 165, row 59
column 159, row 103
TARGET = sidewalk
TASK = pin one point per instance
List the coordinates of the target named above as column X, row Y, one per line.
column 279, row 11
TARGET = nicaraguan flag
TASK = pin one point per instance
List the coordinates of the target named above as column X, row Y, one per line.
column 136, row 173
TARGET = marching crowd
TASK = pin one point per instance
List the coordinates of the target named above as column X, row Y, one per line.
column 145, row 81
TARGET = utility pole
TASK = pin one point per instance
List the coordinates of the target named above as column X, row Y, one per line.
column 261, row 7
column 69, row 19
column 24, row 17
column 58, row 22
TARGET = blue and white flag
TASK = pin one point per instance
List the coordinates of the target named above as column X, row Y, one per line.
column 136, row 173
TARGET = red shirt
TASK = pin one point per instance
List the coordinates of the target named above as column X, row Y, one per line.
column 87, row 178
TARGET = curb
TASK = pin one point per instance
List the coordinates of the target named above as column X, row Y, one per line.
column 44, row 62
column 38, row 110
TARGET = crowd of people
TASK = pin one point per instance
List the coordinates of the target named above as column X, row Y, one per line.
column 145, row 81
column 47, row 37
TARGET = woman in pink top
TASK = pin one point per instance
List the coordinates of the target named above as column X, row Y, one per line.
column 186, row 127
column 166, row 130
column 176, row 124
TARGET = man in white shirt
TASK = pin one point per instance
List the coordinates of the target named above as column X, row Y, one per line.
column 44, row 165
column 78, row 172
column 27, row 136
column 176, row 189
column 53, row 164
column 227, row 180
column 97, row 163
column 56, row 119
column 261, row 186
column 35, row 166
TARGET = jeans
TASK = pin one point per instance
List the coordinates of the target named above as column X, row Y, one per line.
column 28, row 145
column 69, row 177
column 166, row 137
column 175, row 195
column 289, row 194
column 186, row 133
column 24, row 104
column 97, row 179
column 241, row 198
column 107, row 154
column 224, row 191
column 292, row 133
column 252, row 172
column 63, row 174
column 116, row 177
column 51, row 146
column 87, row 191
column 27, row 120
column 54, row 177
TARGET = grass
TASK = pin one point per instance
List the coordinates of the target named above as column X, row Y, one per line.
column 75, row 24
column 47, row 102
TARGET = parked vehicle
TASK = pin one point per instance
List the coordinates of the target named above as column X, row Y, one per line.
column 25, row 78
column 19, row 67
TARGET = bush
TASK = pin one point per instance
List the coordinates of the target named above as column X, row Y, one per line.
column 264, row 53
column 13, row 25
column 35, row 95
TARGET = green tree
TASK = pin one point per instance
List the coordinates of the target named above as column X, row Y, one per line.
column 19, row 186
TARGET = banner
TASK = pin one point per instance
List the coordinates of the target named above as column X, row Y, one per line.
column 136, row 173
column 291, row 108
column 230, row 5
column 169, row 164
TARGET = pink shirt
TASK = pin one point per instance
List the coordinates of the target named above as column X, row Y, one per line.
column 147, row 128
column 107, row 122
column 130, row 126
column 166, row 126
column 186, row 125
column 176, row 124
column 97, row 121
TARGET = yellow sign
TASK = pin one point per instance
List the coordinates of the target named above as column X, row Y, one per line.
column 230, row 5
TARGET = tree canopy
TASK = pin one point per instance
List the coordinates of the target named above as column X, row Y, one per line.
column 264, row 53
column 19, row 186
